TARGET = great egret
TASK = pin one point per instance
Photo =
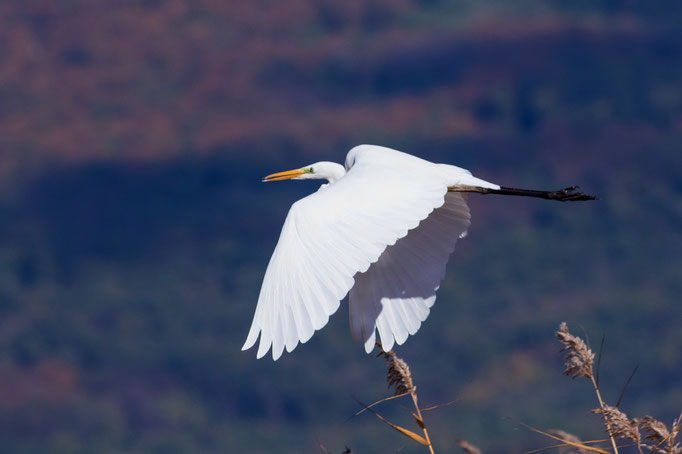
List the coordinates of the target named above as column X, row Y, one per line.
column 382, row 228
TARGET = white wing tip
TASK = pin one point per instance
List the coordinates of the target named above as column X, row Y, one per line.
column 251, row 338
column 370, row 342
column 265, row 346
column 387, row 344
column 277, row 353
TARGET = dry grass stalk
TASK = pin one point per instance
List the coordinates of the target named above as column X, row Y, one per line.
column 584, row 445
column 619, row 425
column 570, row 438
column 468, row 447
column 665, row 440
column 398, row 375
column 655, row 430
column 399, row 378
column 579, row 363
column 579, row 358
column 408, row 433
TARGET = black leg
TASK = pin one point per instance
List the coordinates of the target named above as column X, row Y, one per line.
column 564, row 195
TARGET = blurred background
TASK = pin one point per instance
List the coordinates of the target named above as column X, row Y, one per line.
column 134, row 230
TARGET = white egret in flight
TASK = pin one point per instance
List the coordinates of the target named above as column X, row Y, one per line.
column 381, row 229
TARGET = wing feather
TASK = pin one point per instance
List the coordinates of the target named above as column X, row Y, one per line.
column 404, row 281
column 399, row 323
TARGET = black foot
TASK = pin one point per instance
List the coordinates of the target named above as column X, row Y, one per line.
column 569, row 194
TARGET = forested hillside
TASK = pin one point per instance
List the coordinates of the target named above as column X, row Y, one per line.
column 135, row 231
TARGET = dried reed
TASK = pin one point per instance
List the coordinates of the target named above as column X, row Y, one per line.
column 619, row 425
column 570, row 449
column 579, row 358
column 399, row 378
column 468, row 447
column 665, row 440
column 579, row 363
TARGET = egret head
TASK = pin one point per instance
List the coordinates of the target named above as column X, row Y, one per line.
column 317, row 171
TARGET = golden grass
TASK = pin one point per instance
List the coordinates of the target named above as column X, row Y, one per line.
column 399, row 378
column 618, row 425
column 647, row 434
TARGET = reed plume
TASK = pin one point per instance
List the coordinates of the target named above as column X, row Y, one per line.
column 398, row 375
column 579, row 358
column 399, row 378
column 619, row 425
column 579, row 363
column 665, row 440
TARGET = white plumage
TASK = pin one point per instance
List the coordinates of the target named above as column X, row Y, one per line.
column 382, row 231
column 397, row 291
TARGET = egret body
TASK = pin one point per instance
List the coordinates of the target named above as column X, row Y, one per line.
column 381, row 231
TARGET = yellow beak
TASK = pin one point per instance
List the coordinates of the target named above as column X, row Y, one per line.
column 284, row 175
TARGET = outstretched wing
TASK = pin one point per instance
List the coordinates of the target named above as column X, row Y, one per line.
column 335, row 233
column 396, row 293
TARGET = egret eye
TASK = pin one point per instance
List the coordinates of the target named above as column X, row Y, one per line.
column 310, row 170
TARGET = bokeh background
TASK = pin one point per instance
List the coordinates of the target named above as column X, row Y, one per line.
column 134, row 230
